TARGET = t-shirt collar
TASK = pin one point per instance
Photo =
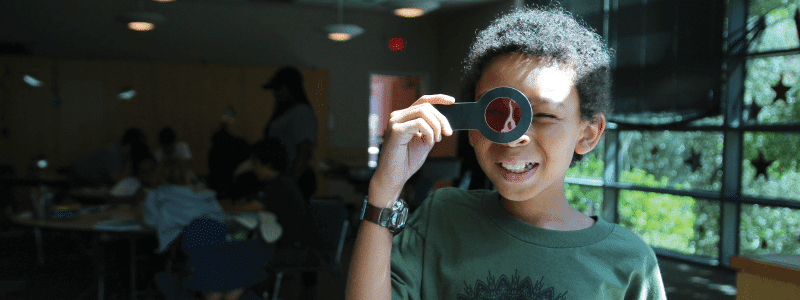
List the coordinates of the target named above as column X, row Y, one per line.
column 541, row 236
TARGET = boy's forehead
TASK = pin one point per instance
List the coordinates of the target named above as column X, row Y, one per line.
column 537, row 76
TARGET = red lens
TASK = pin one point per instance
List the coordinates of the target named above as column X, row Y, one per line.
column 502, row 115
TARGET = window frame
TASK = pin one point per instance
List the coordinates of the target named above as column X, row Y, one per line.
column 729, row 196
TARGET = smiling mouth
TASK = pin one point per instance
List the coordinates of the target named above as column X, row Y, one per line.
column 518, row 168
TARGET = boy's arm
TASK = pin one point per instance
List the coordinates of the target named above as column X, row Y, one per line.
column 411, row 133
column 369, row 276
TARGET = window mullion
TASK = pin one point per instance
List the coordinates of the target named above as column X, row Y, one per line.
column 733, row 141
column 611, row 176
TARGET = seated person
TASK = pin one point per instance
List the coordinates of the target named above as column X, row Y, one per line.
column 174, row 202
column 131, row 189
column 171, row 146
column 220, row 269
column 108, row 164
column 263, row 177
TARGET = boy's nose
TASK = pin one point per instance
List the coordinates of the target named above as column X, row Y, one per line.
column 521, row 141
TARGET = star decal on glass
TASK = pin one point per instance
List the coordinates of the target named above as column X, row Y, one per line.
column 780, row 90
column 694, row 160
column 761, row 165
column 754, row 110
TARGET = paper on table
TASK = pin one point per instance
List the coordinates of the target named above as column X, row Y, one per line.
column 118, row 224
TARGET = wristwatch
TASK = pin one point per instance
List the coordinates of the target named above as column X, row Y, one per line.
column 393, row 218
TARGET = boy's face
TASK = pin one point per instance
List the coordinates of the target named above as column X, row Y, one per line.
column 535, row 164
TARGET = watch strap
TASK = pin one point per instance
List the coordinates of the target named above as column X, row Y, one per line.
column 373, row 213
column 392, row 218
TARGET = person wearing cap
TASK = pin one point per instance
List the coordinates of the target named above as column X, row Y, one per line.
column 295, row 124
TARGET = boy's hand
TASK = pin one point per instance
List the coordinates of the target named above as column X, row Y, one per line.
column 410, row 136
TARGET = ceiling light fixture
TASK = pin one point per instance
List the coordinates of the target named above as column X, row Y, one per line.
column 413, row 8
column 343, row 32
column 141, row 20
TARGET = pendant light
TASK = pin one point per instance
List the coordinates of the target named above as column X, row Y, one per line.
column 341, row 32
column 141, row 20
column 412, row 8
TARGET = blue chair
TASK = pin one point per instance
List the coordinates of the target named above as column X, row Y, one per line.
column 202, row 260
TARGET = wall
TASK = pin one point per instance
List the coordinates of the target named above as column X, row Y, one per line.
column 188, row 97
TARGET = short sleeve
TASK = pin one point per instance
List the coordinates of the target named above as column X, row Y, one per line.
column 406, row 264
column 304, row 124
column 648, row 283
column 408, row 252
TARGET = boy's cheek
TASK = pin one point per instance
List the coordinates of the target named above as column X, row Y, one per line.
column 475, row 138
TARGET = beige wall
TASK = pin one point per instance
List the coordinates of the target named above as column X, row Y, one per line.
column 188, row 97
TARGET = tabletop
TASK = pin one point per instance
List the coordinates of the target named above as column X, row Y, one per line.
column 109, row 218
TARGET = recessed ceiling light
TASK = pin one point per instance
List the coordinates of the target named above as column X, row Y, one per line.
column 343, row 32
column 141, row 20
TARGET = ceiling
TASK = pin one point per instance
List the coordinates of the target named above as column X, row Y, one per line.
column 26, row 26
column 381, row 4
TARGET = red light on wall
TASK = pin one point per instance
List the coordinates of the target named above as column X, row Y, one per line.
column 397, row 44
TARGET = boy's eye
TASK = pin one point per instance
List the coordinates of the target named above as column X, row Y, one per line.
column 546, row 116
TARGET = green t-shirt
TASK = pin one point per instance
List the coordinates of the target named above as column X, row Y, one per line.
column 464, row 245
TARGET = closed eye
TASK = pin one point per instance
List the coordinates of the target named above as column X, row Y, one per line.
column 546, row 116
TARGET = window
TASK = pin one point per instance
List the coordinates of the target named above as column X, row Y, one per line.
column 719, row 186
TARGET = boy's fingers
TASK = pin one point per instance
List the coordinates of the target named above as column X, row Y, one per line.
column 417, row 127
column 443, row 100
column 436, row 99
column 426, row 113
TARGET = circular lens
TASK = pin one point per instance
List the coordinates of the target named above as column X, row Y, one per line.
column 502, row 114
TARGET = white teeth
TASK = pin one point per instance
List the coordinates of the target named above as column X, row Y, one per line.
column 517, row 167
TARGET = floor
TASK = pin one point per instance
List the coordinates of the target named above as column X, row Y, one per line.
column 69, row 275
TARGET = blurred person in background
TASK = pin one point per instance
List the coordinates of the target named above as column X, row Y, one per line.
column 295, row 124
column 219, row 267
column 264, row 178
column 110, row 163
column 226, row 153
column 171, row 146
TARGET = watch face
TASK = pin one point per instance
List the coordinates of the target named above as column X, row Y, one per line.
column 398, row 218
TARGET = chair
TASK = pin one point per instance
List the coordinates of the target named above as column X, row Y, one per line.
column 330, row 219
column 200, row 259
column 170, row 281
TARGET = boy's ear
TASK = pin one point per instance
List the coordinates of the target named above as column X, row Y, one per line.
column 591, row 132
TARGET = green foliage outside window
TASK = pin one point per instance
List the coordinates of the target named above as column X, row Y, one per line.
column 769, row 230
column 665, row 221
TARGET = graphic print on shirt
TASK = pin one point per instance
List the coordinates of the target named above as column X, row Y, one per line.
column 502, row 288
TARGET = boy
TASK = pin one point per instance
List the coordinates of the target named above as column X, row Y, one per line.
column 522, row 241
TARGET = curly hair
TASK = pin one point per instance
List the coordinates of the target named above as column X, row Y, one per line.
column 547, row 32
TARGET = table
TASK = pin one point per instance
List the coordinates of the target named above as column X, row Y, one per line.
column 50, row 184
column 102, row 223
column 767, row 276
